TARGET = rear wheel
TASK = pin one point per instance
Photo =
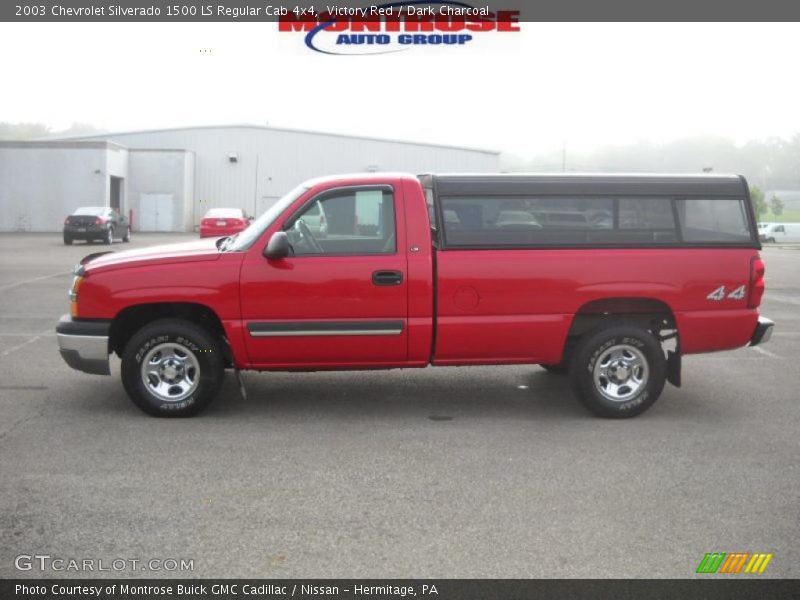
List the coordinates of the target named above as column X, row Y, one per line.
column 172, row 368
column 618, row 371
column 771, row 240
column 127, row 237
column 109, row 239
column 67, row 240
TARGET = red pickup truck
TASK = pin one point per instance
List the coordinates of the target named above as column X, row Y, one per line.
column 609, row 279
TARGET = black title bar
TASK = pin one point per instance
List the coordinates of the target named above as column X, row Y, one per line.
column 271, row 11
column 394, row 589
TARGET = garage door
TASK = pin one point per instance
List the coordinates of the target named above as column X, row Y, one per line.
column 155, row 212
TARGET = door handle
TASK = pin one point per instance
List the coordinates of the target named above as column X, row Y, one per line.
column 387, row 278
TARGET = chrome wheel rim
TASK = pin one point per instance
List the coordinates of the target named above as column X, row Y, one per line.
column 620, row 372
column 170, row 372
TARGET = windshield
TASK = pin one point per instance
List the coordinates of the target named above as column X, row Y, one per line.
column 247, row 238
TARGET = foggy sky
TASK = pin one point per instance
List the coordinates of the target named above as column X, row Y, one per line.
column 583, row 85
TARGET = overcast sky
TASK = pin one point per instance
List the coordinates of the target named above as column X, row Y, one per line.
column 588, row 84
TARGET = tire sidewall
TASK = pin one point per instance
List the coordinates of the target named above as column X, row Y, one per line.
column 192, row 338
column 582, row 373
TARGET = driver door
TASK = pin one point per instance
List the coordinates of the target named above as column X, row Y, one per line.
column 341, row 298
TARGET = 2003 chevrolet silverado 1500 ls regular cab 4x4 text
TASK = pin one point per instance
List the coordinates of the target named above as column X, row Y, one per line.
column 608, row 278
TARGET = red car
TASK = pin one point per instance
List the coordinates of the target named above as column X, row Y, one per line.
column 220, row 222
column 425, row 271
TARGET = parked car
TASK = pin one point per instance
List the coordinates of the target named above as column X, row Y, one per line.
column 96, row 223
column 616, row 308
column 219, row 222
column 780, row 232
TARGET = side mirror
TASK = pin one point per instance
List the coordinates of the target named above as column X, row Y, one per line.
column 278, row 246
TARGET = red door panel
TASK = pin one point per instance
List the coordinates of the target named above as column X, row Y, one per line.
column 294, row 310
column 327, row 311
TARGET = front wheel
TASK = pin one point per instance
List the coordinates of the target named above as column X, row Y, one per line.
column 771, row 240
column 109, row 239
column 172, row 368
column 618, row 371
column 127, row 237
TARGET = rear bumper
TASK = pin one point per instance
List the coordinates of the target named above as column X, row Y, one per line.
column 762, row 332
column 90, row 231
column 84, row 344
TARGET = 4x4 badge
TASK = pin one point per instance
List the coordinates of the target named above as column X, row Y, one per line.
column 719, row 293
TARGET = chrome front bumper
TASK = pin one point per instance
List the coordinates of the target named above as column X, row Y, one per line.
column 84, row 344
column 763, row 331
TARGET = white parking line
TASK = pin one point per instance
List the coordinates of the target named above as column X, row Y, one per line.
column 760, row 350
column 26, row 334
column 35, row 338
column 9, row 286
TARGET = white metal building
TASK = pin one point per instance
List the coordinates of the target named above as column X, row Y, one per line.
column 169, row 178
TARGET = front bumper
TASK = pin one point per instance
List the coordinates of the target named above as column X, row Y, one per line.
column 92, row 231
column 762, row 332
column 84, row 344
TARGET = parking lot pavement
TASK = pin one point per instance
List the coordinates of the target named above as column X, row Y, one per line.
column 456, row 472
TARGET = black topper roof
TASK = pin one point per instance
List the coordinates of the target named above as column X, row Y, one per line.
column 705, row 185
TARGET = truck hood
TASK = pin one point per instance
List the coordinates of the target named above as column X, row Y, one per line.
column 199, row 250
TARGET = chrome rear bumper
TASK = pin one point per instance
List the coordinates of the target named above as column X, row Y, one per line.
column 763, row 331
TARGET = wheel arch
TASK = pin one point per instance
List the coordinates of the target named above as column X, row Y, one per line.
column 131, row 319
column 650, row 314
column 640, row 311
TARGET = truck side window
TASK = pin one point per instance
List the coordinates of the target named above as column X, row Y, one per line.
column 347, row 222
column 520, row 221
column 713, row 220
column 516, row 221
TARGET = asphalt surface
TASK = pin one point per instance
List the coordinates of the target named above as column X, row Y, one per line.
column 453, row 472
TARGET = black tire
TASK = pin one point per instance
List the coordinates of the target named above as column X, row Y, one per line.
column 109, row 238
column 633, row 346
column 67, row 240
column 771, row 240
column 127, row 237
column 176, row 336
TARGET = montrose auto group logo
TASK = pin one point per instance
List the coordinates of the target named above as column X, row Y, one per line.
column 395, row 26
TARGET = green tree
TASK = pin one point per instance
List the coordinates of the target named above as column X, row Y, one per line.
column 776, row 205
column 759, row 204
